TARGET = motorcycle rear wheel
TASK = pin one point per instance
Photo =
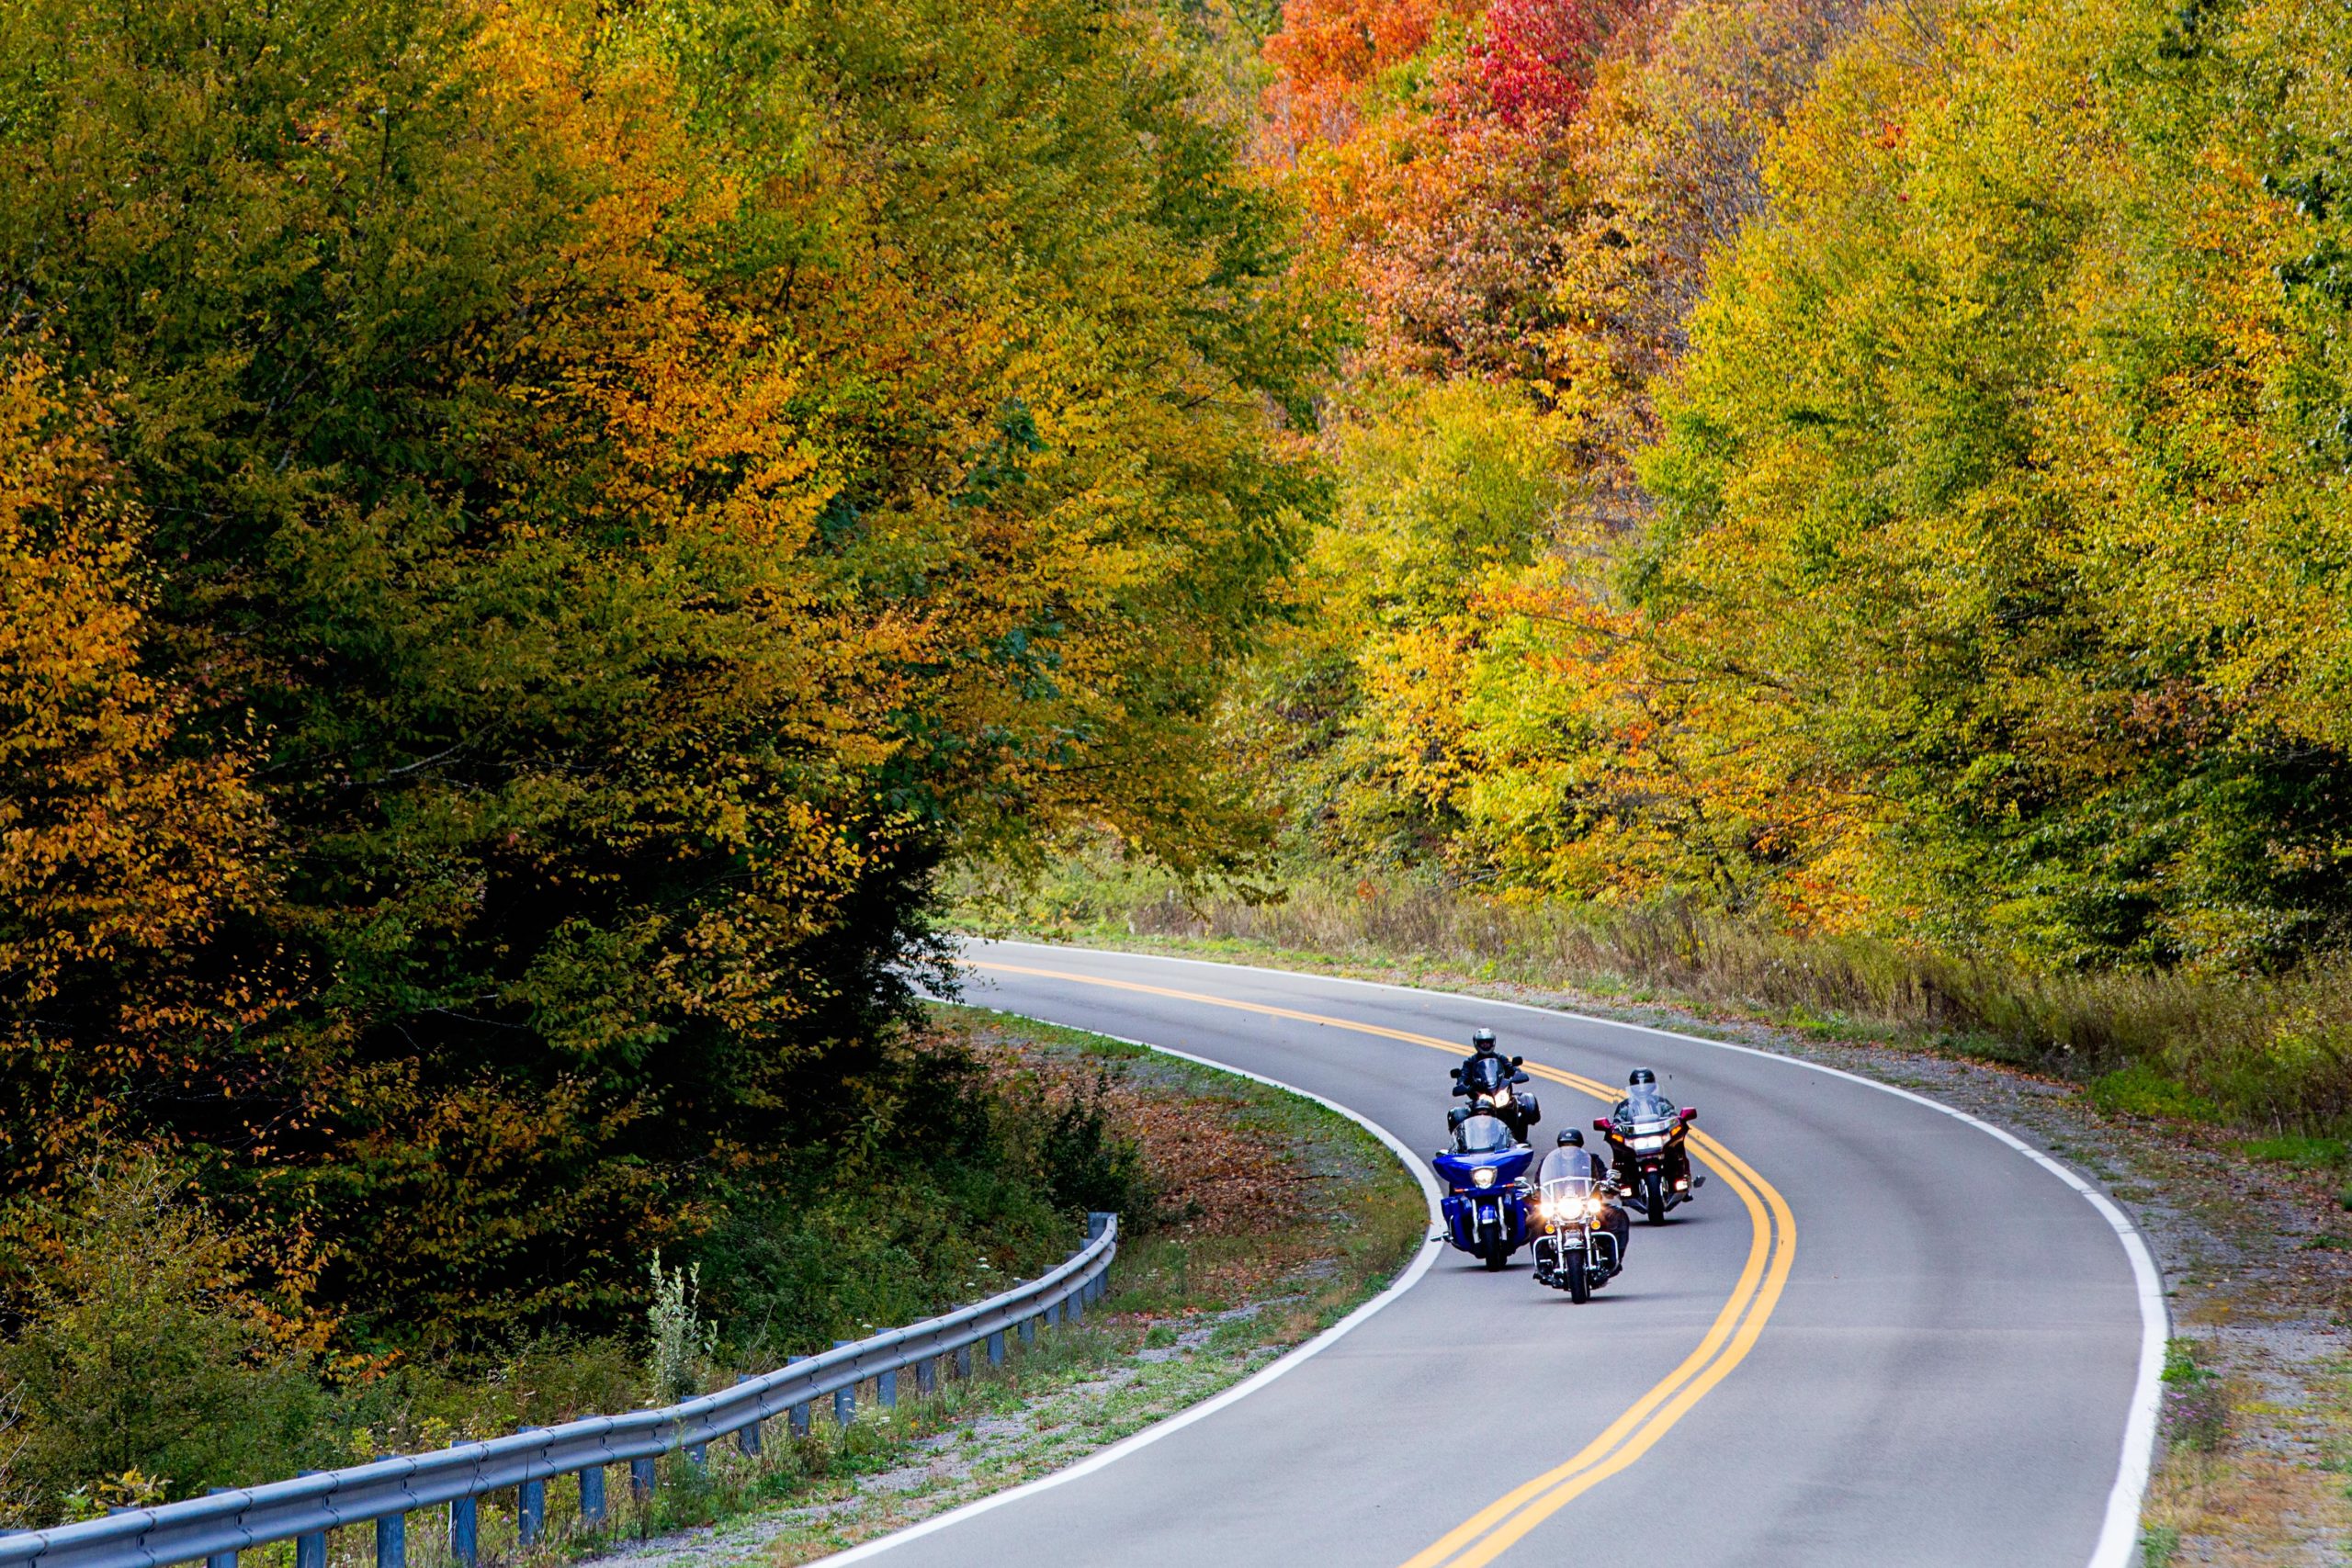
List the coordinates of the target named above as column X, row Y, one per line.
column 1579, row 1287
column 1653, row 1197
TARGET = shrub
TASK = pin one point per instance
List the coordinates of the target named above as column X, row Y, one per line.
column 1089, row 1165
column 141, row 1366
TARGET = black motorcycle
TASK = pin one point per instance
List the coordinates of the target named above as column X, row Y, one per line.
column 1577, row 1248
column 1491, row 1082
column 1648, row 1143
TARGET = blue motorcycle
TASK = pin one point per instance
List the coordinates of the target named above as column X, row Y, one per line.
column 1486, row 1203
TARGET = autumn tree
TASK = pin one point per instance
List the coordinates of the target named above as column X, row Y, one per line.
column 563, row 519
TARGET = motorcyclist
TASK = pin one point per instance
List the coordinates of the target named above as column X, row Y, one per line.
column 1489, row 1075
column 1570, row 1157
column 1642, row 1102
column 1645, row 1110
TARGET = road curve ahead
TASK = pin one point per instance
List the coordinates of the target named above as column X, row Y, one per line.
column 1881, row 1335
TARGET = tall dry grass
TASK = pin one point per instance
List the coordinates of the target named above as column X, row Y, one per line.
column 2268, row 1052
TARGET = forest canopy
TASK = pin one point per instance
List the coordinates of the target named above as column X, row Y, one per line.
column 1869, row 469
column 527, row 530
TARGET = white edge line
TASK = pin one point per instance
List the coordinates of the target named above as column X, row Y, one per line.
column 1289, row 1361
column 2119, row 1532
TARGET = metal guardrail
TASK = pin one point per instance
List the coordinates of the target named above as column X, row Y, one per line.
column 215, row 1529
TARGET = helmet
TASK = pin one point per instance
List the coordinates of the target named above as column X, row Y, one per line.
column 1641, row 1075
column 1572, row 1139
column 1482, row 1040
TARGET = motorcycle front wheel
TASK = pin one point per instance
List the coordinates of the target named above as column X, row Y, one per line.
column 1498, row 1253
column 1653, row 1197
column 1580, row 1286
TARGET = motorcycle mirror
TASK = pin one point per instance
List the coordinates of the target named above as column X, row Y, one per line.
column 1453, row 1072
column 1600, row 1124
column 1689, row 1113
column 1517, row 1060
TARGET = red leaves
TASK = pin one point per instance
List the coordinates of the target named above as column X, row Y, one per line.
column 1535, row 60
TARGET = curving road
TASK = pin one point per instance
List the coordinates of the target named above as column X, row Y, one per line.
column 1883, row 1335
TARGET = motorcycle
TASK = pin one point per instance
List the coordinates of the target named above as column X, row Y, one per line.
column 1574, row 1249
column 1647, row 1144
column 1490, row 1083
column 1485, row 1204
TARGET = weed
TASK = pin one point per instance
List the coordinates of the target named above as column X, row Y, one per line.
column 2141, row 1090
column 681, row 1344
column 2304, row 1153
column 2196, row 1405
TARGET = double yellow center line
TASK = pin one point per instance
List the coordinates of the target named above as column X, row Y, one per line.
column 1771, row 1253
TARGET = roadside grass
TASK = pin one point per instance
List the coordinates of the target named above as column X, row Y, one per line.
column 2219, row 1497
column 2268, row 1054
column 1213, row 1284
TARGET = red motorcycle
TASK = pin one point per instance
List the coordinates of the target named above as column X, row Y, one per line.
column 1648, row 1145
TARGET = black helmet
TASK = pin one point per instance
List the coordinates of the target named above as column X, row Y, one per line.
column 1641, row 1075
column 1482, row 1040
column 1572, row 1139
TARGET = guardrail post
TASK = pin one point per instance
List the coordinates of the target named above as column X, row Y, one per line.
column 885, row 1390
column 311, row 1551
column 1028, row 1332
column 1077, row 1309
column 964, row 1360
column 747, row 1438
column 698, row 1455
column 643, row 1479
column 996, row 1349
column 392, row 1542
column 927, row 1374
column 1053, row 1313
column 465, row 1532
column 591, row 1496
column 530, row 1506
column 1097, row 1222
column 798, row 1416
column 530, row 1512
column 219, row 1559
column 845, row 1399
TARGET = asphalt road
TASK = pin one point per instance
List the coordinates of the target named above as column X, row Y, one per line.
column 1880, row 1336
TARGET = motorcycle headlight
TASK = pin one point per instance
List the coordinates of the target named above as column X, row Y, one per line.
column 1645, row 1145
column 1483, row 1176
column 1502, row 1096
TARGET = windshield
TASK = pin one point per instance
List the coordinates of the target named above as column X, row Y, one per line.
column 1484, row 1072
column 1644, row 1105
column 1482, row 1136
column 1569, row 1173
